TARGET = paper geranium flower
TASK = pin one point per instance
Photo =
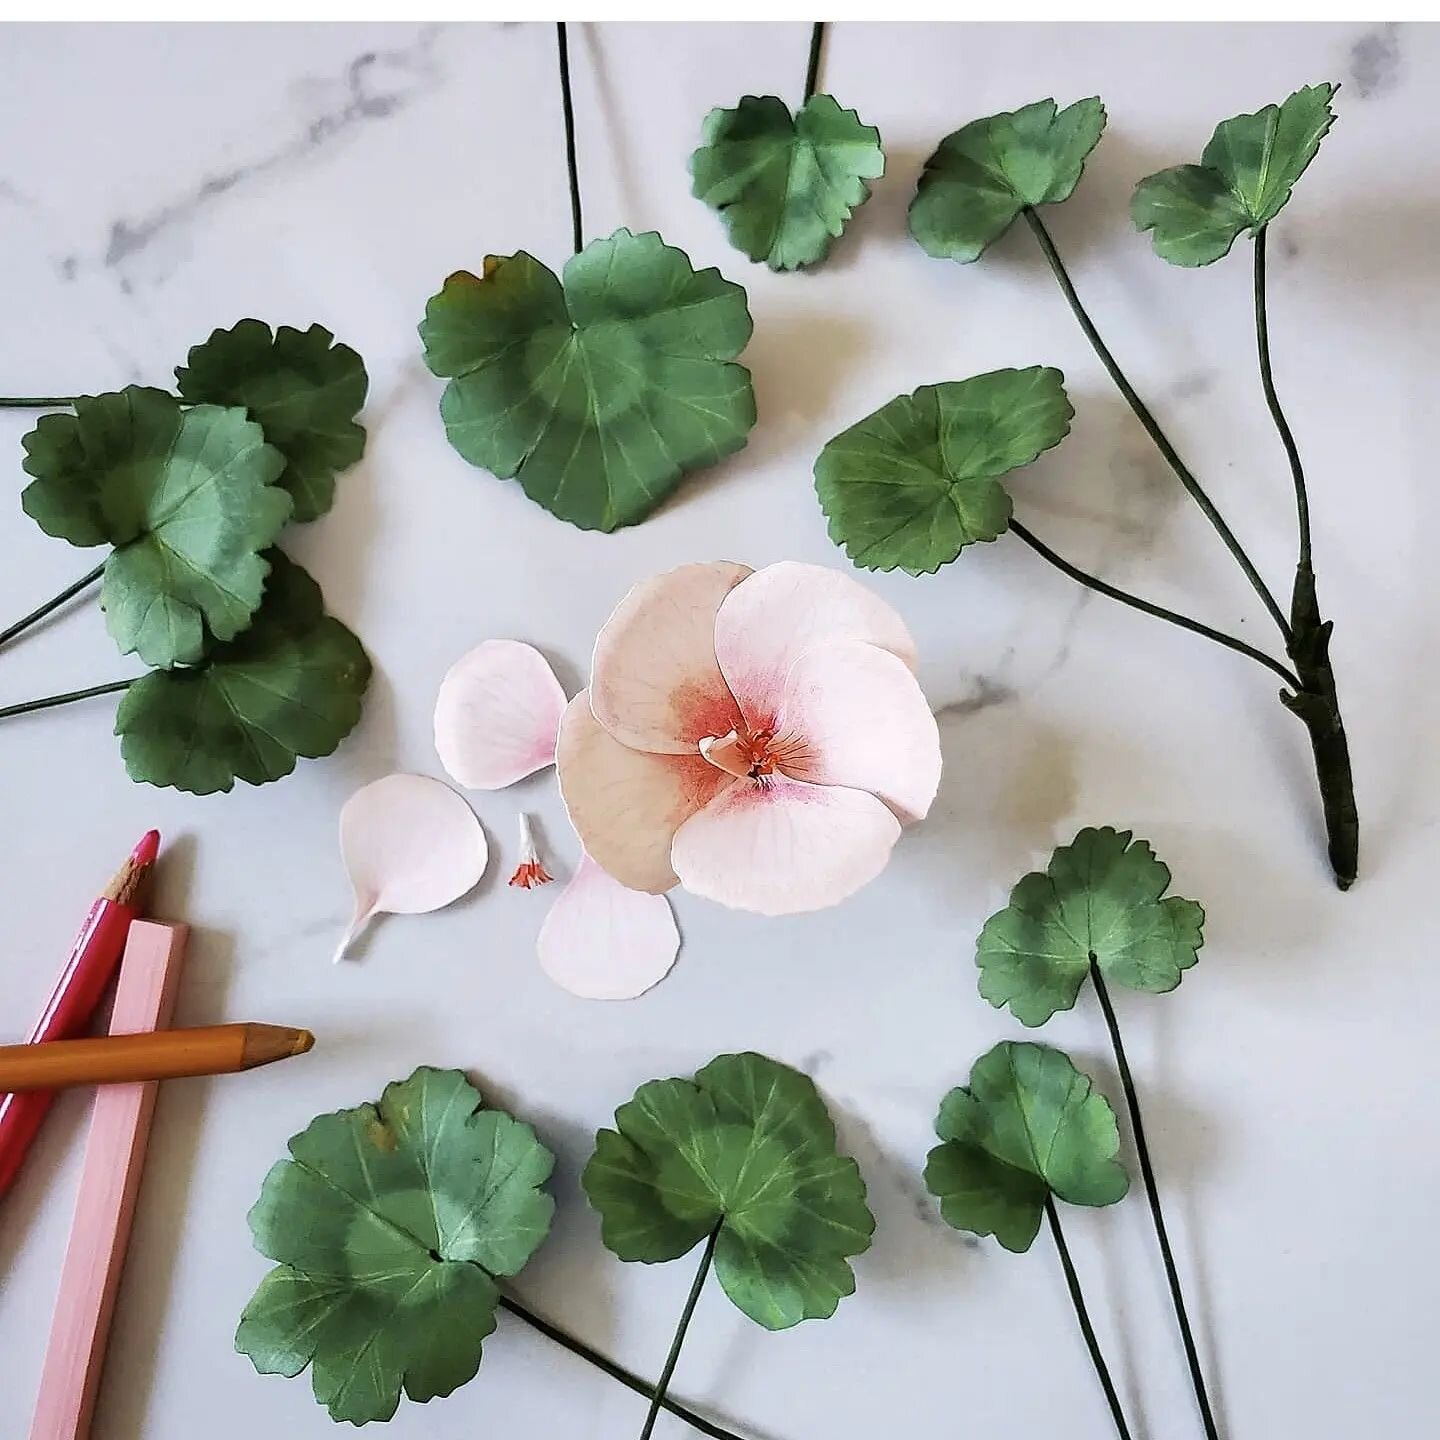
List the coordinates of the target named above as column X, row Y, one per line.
column 756, row 736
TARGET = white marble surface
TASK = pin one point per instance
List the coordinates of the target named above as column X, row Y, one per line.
column 156, row 182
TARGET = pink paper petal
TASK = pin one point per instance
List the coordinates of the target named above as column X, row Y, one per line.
column 627, row 804
column 603, row 942
column 784, row 847
column 410, row 845
column 765, row 625
column 654, row 683
column 854, row 715
column 496, row 715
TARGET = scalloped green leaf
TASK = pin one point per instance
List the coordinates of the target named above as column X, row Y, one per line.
column 910, row 486
column 289, row 686
column 598, row 393
column 189, row 500
column 786, row 185
column 1195, row 212
column 1101, row 900
column 391, row 1224
column 1028, row 1125
column 986, row 173
column 747, row 1147
column 301, row 386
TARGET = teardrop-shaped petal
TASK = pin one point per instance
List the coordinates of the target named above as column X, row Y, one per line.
column 497, row 714
column 410, row 845
column 765, row 625
column 627, row 804
column 854, row 715
column 602, row 941
column 654, row 682
column 783, row 847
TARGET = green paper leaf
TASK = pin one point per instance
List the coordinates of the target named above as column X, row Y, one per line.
column 747, row 1146
column 290, row 686
column 982, row 177
column 1028, row 1125
column 187, row 498
column 302, row 388
column 1100, row 898
column 598, row 394
column 913, row 484
column 784, row 184
column 1195, row 212
column 391, row 1223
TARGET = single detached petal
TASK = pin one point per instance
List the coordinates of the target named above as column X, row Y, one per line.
column 784, row 846
column 496, row 715
column 627, row 804
column 854, row 715
column 654, row 682
column 766, row 624
column 603, row 942
column 410, row 845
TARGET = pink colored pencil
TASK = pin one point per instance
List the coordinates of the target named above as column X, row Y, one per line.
column 109, row 1183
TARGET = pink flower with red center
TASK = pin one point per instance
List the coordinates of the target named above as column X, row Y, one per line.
column 758, row 737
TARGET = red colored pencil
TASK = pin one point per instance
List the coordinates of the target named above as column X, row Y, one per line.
column 92, row 962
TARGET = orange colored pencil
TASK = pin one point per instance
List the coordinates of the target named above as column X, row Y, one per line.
column 159, row 1055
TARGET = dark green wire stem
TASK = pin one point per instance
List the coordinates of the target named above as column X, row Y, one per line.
column 1267, row 381
column 1147, row 607
column 1083, row 1316
column 36, row 402
column 1152, row 1194
column 1151, row 426
column 70, row 696
column 40, row 612
column 577, row 230
column 661, row 1385
column 615, row 1371
column 812, row 67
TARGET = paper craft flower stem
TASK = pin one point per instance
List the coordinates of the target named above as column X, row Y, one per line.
column 691, row 1300
column 1099, row 909
column 614, row 1370
column 1082, row 1316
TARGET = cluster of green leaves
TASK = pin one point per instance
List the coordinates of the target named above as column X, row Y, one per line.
column 392, row 1224
column 598, row 391
column 191, row 492
column 1029, row 1124
column 913, row 484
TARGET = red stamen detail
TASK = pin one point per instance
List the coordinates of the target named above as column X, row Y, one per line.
column 530, row 873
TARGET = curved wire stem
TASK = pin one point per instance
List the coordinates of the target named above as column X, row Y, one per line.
column 1267, row 381
column 661, row 1385
column 1152, row 427
column 41, row 611
column 1148, row 607
column 36, row 402
column 812, row 66
column 1152, row 1194
column 614, row 1370
column 1072, row 1283
column 577, row 229
column 69, row 697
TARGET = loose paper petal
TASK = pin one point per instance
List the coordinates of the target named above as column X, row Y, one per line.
column 860, row 719
column 655, row 684
column 627, row 804
column 767, row 623
column 496, row 715
column 410, row 845
column 783, row 847
column 602, row 941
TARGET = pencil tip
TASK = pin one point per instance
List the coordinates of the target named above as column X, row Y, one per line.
column 146, row 851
